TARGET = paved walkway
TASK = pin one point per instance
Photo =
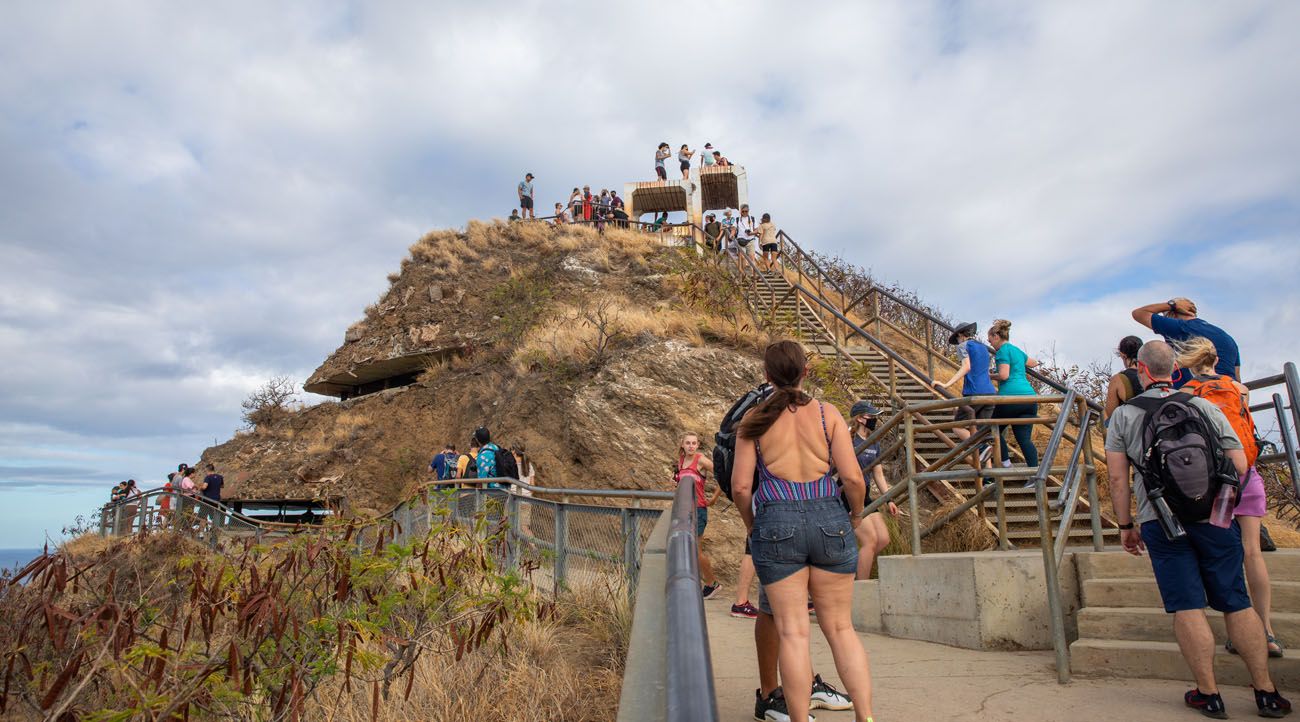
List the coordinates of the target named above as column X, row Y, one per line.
column 920, row 681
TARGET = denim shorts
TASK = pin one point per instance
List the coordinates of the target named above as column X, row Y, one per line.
column 701, row 520
column 791, row 535
column 1202, row 567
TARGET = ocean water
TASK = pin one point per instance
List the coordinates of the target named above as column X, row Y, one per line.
column 14, row 559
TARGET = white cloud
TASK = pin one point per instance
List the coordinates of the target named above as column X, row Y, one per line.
column 195, row 197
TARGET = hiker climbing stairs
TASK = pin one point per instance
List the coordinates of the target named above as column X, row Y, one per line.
column 777, row 303
column 1124, row 630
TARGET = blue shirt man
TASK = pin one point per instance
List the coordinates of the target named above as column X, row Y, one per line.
column 1176, row 320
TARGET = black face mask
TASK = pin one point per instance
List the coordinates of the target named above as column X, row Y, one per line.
column 871, row 423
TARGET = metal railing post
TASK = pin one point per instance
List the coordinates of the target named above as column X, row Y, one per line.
column 929, row 350
column 117, row 519
column 909, row 447
column 561, row 544
column 629, row 548
column 1288, row 443
column 1050, row 572
column 1293, row 393
column 513, row 541
column 1004, row 542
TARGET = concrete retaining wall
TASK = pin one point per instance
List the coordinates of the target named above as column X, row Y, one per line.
column 976, row 600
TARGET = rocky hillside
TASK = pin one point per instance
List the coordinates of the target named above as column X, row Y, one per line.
column 596, row 352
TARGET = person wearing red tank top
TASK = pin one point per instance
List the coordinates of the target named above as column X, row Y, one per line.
column 694, row 467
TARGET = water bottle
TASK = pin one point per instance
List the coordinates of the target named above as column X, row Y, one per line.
column 1168, row 522
column 1224, row 504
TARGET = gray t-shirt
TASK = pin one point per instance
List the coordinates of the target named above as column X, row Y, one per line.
column 1125, row 434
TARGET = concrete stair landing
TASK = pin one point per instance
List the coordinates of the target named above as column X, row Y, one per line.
column 1125, row 632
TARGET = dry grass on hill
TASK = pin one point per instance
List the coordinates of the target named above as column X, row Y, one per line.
column 569, row 669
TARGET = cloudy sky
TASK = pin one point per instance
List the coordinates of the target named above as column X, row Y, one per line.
column 194, row 197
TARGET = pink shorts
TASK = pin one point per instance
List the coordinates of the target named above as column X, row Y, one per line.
column 1251, row 502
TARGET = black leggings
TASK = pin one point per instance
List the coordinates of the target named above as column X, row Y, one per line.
column 1024, row 432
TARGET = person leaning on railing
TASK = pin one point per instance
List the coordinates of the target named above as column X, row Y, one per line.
column 800, row 533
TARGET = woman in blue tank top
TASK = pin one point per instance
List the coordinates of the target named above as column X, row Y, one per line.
column 799, row 531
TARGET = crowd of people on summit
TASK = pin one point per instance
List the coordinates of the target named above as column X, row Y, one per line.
column 606, row 207
column 1176, row 415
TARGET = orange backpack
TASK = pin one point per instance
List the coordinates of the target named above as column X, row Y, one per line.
column 1223, row 393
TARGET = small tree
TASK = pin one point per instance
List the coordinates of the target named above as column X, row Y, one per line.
column 270, row 402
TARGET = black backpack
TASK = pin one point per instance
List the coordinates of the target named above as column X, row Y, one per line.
column 1184, row 460
column 506, row 466
column 724, row 442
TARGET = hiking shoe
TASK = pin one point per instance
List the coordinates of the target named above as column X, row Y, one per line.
column 811, row 609
column 710, row 590
column 773, row 708
column 1211, row 705
column 1271, row 704
column 824, row 696
column 744, row 611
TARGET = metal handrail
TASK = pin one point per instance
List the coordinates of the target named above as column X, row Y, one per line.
column 880, row 345
column 1037, row 375
column 1055, row 608
column 1067, row 499
column 690, row 690
column 145, row 512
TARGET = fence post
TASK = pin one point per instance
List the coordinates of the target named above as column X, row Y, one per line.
column 909, row 446
column 875, row 299
column 561, row 544
column 893, row 388
column 1004, row 543
column 512, row 531
column 629, row 548
column 117, row 519
column 929, row 347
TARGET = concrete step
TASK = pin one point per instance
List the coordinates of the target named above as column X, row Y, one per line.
column 1080, row 533
column 1161, row 660
column 1283, row 565
column 1152, row 624
column 1142, row 592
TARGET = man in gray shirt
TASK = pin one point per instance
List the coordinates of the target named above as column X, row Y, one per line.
column 1205, row 566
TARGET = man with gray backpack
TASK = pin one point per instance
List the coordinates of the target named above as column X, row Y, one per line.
column 1188, row 462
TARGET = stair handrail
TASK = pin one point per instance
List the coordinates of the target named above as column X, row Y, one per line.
column 1068, row 497
column 1055, row 608
column 689, row 692
column 1289, row 379
column 876, row 288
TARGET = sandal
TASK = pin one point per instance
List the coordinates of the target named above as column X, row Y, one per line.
column 1275, row 648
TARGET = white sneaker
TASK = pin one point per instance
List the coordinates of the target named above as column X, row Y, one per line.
column 824, row 696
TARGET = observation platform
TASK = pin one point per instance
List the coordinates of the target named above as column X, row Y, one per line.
column 712, row 188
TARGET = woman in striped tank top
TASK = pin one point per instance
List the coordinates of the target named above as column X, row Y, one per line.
column 801, row 535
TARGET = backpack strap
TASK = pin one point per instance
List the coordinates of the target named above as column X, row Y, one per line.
column 1149, row 405
column 829, row 458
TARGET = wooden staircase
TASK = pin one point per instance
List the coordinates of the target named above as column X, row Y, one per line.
column 777, row 305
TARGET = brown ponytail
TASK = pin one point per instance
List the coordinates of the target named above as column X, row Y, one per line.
column 1002, row 329
column 784, row 362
